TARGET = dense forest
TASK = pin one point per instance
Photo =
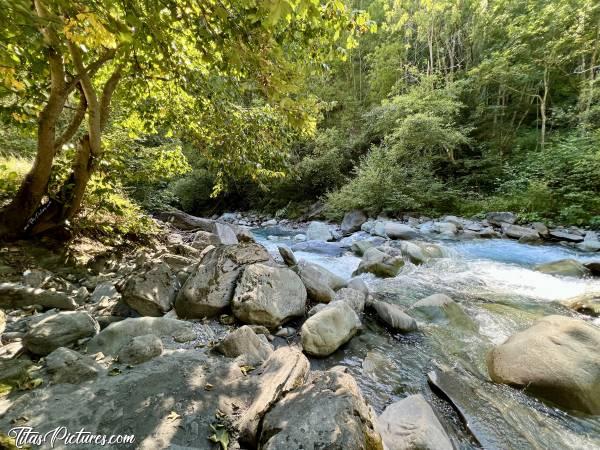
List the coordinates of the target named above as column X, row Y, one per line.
column 406, row 106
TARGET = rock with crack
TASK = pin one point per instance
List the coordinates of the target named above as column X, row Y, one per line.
column 209, row 290
column 326, row 331
column 110, row 340
column 285, row 370
column 268, row 296
column 140, row 349
column 411, row 424
column 328, row 412
column 14, row 295
column 59, row 330
column 245, row 343
column 151, row 293
column 68, row 366
column 557, row 359
column 320, row 283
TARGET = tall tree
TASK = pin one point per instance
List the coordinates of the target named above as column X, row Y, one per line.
column 62, row 61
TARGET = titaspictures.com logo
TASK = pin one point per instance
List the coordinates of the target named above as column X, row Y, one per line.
column 27, row 436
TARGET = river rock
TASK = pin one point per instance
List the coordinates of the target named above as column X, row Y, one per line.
column 414, row 253
column 393, row 316
column 151, row 293
column 285, row 370
column 446, row 229
column 441, row 309
column 352, row 221
column 360, row 247
column 2, row 322
column 353, row 298
column 110, row 340
column 59, row 330
column 563, row 267
column 588, row 246
column 359, row 284
column 141, row 401
column 268, row 296
column 565, row 236
column 379, row 263
column 140, row 349
column 588, row 304
column 14, row 295
column 327, row 413
column 288, row 256
column 68, row 366
column 499, row 218
column 245, row 342
column 519, row 232
column 330, row 328
column 102, row 290
column 318, row 231
column 411, row 424
column 593, row 267
column 395, row 230
column 224, row 234
column 557, row 359
column 320, row 283
column 203, row 239
column 209, row 290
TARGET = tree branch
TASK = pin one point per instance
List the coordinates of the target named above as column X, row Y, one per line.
column 70, row 131
column 107, row 92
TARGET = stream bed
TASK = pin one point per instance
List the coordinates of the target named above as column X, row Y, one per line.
column 495, row 283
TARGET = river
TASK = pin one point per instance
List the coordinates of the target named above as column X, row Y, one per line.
column 495, row 283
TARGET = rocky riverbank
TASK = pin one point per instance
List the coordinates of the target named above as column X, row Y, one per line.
column 206, row 339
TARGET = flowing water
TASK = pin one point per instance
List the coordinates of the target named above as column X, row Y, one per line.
column 495, row 283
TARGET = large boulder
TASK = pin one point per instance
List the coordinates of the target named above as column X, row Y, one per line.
column 320, row 283
column 379, row 263
column 320, row 248
column 557, row 359
column 112, row 339
column 268, row 296
column 140, row 349
column 499, row 218
column 209, row 290
column 327, row 413
column 59, row 330
column 394, row 317
column 411, row 424
column 68, row 366
column 395, row 230
column 244, row 342
column 14, row 295
column 330, row 328
column 318, row 231
column 151, row 293
column 564, row 267
column 353, row 220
